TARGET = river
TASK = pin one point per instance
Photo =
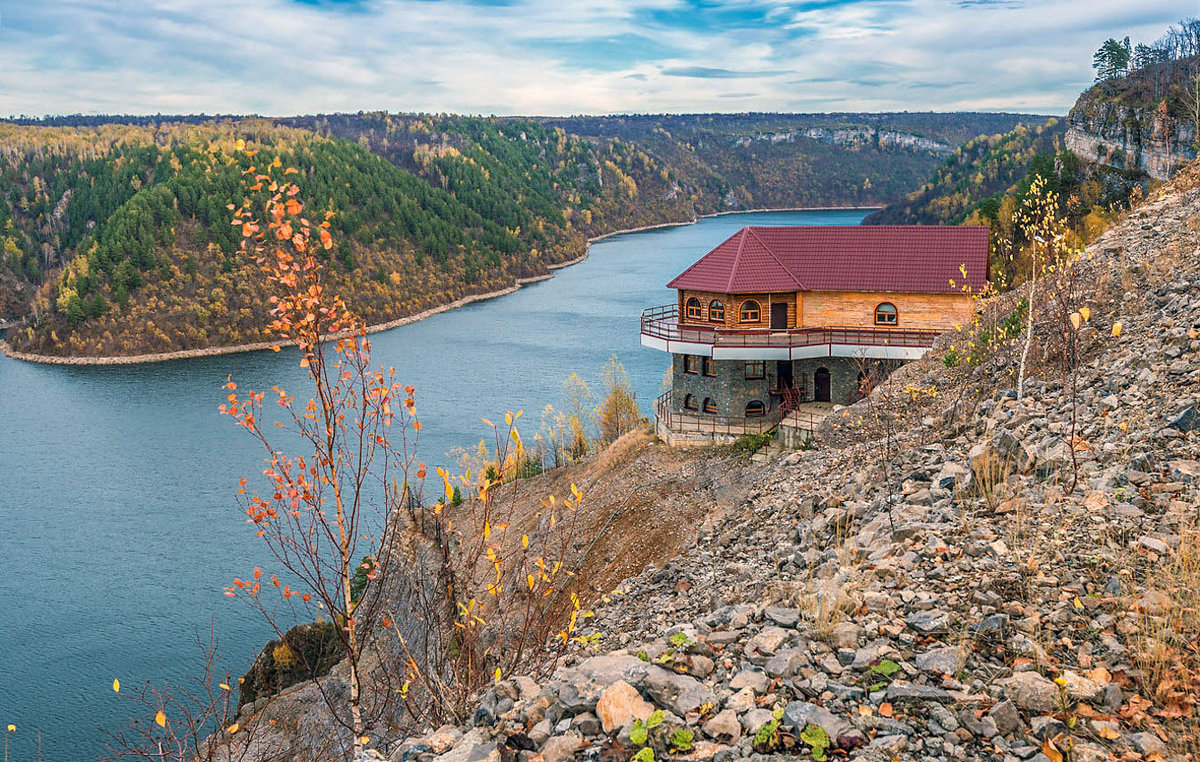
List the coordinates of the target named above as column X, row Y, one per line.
column 118, row 529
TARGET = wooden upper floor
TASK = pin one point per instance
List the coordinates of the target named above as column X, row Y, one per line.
column 824, row 309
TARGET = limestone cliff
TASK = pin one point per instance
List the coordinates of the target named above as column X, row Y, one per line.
column 1152, row 137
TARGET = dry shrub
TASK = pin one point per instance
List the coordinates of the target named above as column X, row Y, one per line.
column 501, row 600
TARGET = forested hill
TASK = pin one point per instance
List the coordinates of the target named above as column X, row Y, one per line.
column 116, row 239
column 776, row 160
column 979, row 170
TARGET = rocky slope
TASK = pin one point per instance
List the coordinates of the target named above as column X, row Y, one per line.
column 945, row 595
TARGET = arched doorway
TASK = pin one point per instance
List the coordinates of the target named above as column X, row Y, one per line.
column 821, row 386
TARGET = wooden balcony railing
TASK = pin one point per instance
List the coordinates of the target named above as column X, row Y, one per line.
column 663, row 323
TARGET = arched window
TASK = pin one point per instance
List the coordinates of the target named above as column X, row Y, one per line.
column 689, row 403
column 755, row 409
column 716, row 311
column 710, row 407
column 886, row 314
column 751, row 312
column 692, row 309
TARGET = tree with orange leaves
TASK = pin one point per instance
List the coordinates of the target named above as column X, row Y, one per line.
column 327, row 508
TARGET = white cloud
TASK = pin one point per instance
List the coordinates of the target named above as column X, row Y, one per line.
column 282, row 56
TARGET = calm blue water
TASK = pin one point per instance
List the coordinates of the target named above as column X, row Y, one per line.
column 118, row 529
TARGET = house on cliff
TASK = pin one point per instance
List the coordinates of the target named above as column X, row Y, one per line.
column 778, row 321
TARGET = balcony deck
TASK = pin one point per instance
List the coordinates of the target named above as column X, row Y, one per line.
column 662, row 330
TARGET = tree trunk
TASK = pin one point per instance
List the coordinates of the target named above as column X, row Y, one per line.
column 1028, row 339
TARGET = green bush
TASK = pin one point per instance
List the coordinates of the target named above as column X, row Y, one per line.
column 307, row 651
column 752, row 443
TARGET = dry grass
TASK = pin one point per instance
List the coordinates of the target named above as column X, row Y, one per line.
column 1168, row 647
column 824, row 603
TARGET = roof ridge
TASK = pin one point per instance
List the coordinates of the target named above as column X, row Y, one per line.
column 737, row 258
column 799, row 286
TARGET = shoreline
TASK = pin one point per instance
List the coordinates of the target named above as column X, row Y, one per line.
column 184, row 354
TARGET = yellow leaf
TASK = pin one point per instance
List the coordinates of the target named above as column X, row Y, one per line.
column 1086, row 312
column 1052, row 752
column 524, row 541
column 116, row 686
column 1076, row 320
column 161, row 719
column 224, row 687
column 1116, row 330
column 1078, row 603
column 232, row 728
column 12, row 729
column 365, row 740
column 497, row 673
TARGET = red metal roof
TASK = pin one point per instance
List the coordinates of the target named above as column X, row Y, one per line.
column 909, row 258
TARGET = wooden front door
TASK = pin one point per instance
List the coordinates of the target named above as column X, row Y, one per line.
column 779, row 316
column 821, row 384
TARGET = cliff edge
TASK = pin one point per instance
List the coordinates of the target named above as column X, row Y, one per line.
column 1130, row 124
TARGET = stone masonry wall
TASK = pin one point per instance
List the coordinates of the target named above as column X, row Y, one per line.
column 731, row 390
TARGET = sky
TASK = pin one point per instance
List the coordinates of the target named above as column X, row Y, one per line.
column 557, row 57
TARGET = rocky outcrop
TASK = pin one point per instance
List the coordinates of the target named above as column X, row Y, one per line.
column 852, row 137
column 1143, row 139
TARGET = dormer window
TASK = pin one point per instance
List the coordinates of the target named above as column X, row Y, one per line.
column 692, row 309
column 751, row 312
column 716, row 311
column 886, row 314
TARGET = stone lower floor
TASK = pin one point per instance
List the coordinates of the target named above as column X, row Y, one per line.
column 735, row 389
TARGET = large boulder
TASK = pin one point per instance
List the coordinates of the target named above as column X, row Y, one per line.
column 621, row 704
column 679, row 693
column 609, row 668
column 724, row 727
column 1188, row 420
column 799, row 714
column 996, row 458
column 562, row 748
column 1031, row 691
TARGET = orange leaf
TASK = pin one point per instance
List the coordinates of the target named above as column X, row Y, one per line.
column 885, row 709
